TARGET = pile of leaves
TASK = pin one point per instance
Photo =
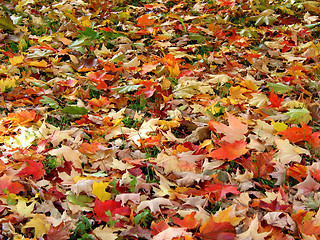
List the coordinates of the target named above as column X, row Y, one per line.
column 159, row 119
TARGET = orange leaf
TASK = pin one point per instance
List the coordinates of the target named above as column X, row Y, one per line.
column 145, row 21
column 23, row 117
column 211, row 230
column 229, row 151
column 102, row 101
column 87, row 148
column 188, row 221
column 297, row 171
column 295, row 134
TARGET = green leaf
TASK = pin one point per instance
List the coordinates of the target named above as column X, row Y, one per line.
column 6, row 23
column 250, row 33
column 299, row 115
column 74, row 110
column 265, row 20
column 90, row 33
column 197, row 37
column 49, row 101
column 138, row 217
column 79, row 43
column 111, row 222
column 280, row 87
column 80, row 200
column 127, row 88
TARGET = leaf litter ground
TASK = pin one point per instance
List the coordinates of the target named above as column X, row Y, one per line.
column 159, row 119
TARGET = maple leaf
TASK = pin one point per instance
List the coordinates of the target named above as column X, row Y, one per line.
column 171, row 233
column 154, row 204
column 7, row 184
column 100, row 208
column 60, row 232
column 234, row 132
column 288, row 153
column 252, row 232
column 260, row 165
column 296, row 134
column 275, row 100
column 229, row 151
column 227, row 215
column 145, row 21
column 273, row 206
column 210, row 230
column 188, row 222
column 99, row 190
column 105, row 233
column 307, row 186
column 23, row 117
column 220, row 190
column 34, row 169
column 39, row 223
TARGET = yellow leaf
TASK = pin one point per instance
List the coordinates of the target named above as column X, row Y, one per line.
column 16, row 60
column 174, row 71
column 99, row 190
column 86, row 21
column 22, row 207
column 42, row 63
column 236, row 95
column 227, row 215
column 45, row 38
column 7, row 84
column 40, row 225
column 72, row 16
column 279, row 126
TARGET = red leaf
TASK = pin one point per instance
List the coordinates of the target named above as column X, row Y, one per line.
column 273, row 206
column 13, row 187
column 275, row 100
column 34, row 169
column 260, row 165
column 146, row 92
column 211, row 230
column 221, row 190
column 100, row 208
column 229, row 151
